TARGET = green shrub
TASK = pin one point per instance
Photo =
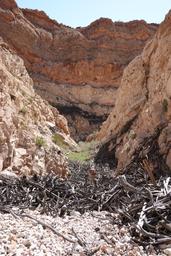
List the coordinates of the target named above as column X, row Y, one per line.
column 40, row 142
column 85, row 152
column 30, row 99
column 23, row 110
column 59, row 140
column 23, row 93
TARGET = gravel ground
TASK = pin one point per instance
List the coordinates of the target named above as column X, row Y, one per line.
column 98, row 233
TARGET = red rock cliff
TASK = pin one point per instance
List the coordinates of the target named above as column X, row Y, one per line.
column 78, row 70
column 143, row 104
column 28, row 123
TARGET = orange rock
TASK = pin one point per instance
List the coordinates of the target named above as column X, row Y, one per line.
column 143, row 102
column 27, row 123
column 74, row 67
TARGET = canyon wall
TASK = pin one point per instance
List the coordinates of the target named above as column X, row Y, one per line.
column 76, row 70
column 28, row 124
column 143, row 105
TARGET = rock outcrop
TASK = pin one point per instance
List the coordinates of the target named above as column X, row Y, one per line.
column 143, row 104
column 28, row 125
column 76, row 70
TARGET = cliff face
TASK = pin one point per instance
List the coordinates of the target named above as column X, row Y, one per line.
column 77, row 70
column 27, row 123
column 143, row 103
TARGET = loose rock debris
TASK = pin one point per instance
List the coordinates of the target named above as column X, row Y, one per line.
column 95, row 233
column 144, row 207
column 140, row 197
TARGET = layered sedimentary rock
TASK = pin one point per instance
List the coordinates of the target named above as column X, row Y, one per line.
column 143, row 104
column 77, row 70
column 28, row 124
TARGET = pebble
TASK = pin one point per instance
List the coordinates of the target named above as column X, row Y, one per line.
column 28, row 238
column 167, row 251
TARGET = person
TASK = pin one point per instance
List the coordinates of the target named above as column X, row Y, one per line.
column 64, row 172
column 92, row 176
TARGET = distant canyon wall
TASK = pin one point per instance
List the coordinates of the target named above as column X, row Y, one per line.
column 76, row 70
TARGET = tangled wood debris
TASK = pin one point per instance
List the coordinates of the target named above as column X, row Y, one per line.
column 140, row 196
column 145, row 207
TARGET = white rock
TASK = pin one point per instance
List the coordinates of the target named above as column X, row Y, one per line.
column 167, row 251
column 50, row 124
column 20, row 151
column 8, row 174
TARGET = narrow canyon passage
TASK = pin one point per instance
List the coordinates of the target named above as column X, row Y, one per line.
column 85, row 136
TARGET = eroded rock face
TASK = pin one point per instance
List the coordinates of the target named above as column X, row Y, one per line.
column 80, row 68
column 27, row 123
column 143, row 101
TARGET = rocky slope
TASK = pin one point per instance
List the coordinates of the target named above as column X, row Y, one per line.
column 28, row 125
column 77, row 70
column 143, row 104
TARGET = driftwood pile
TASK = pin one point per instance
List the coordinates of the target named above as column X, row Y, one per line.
column 144, row 206
column 140, row 196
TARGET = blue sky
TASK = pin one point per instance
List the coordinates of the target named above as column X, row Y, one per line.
column 82, row 12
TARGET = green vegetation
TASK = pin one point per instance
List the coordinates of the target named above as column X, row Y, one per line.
column 82, row 154
column 23, row 93
column 30, row 100
column 60, row 141
column 85, row 152
column 23, row 110
column 165, row 105
column 40, row 142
